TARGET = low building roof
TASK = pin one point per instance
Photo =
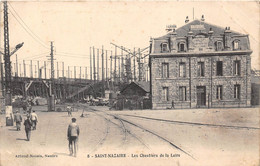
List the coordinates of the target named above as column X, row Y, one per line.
column 142, row 84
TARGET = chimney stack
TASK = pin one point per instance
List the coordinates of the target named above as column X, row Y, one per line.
column 202, row 18
column 187, row 19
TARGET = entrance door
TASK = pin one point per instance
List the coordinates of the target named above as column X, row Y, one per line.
column 201, row 96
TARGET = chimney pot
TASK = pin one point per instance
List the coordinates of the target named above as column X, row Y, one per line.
column 202, row 18
column 187, row 19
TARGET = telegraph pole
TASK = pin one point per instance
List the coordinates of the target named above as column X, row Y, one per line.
column 134, row 66
column 106, row 65
column 63, row 69
column 68, row 72
column 24, row 68
column 45, row 72
column 8, row 94
column 111, row 61
column 57, row 70
column 139, row 65
column 122, row 66
column 94, row 66
column 86, row 73
column 1, row 83
column 38, row 64
column 102, row 61
column 16, row 72
column 115, row 64
column 75, row 76
column 90, row 64
column 98, row 64
column 51, row 103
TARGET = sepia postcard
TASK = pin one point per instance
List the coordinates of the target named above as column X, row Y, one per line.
column 129, row 83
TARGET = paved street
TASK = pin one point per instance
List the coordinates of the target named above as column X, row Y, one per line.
column 189, row 137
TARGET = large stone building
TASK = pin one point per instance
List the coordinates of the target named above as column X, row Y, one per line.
column 200, row 65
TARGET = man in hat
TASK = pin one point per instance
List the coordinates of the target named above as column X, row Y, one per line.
column 73, row 134
column 28, row 124
column 18, row 119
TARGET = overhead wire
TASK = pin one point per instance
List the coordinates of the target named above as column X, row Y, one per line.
column 27, row 29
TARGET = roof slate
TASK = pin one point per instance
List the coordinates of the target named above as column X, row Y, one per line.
column 183, row 30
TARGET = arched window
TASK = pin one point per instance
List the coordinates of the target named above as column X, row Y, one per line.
column 164, row 47
column 219, row 45
column 235, row 44
column 181, row 47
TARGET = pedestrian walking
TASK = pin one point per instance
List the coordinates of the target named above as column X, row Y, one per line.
column 73, row 134
column 69, row 110
column 18, row 119
column 172, row 104
column 28, row 124
column 34, row 119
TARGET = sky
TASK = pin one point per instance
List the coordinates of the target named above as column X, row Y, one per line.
column 75, row 26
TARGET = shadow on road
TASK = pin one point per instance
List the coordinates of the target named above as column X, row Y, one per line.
column 21, row 139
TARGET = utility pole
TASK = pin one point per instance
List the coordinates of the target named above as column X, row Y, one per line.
column 86, row 73
column 80, row 73
column 35, row 71
column 31, row 70
column 38, row 63
column 98, row 64
column 8, row 94
column 16, row 72
column 102, row 59
column 75, row 76
column 68, row 72
column 94, row 66
column 106, row 66
column 1, row 73
column 20, row 70
column 57, row 70
column 119, row 72
column 139, row 65
column 134, row 66
column 1, row 82
column 122, row 66
column 24, row 68
column 115, row 64
column 45, row 70
column 51, row 102
column 62, row 69
column 90, row 63
column 111, row 73
column 102, row 63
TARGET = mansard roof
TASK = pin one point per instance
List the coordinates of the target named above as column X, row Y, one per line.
column 183, row 30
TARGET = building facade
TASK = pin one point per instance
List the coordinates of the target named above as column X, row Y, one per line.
column 200, row 65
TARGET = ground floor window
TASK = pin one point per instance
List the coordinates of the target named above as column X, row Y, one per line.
column 219, row 92
column 237, row 91
column 165, row 94
column 182, row 93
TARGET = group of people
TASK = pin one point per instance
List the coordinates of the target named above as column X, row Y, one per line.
column 30, row 123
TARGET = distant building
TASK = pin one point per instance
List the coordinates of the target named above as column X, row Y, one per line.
column 141, row 89
column 200, row 65
column 135, row 96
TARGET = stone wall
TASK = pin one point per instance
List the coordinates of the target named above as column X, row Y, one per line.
column 192, row 80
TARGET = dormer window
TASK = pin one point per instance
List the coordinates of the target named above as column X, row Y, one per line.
column 219, row 46
column 235, row 45
column 181, row 47
column 164, row 47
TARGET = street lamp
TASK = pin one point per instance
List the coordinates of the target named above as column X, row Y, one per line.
column 8, row 94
